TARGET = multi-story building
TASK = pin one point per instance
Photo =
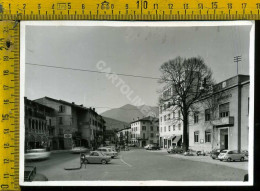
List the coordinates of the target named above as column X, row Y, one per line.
column 221, row 118
column 39, row 123
column 145, row 131
column 76, row 125
column 170, row 120
column 124, row 135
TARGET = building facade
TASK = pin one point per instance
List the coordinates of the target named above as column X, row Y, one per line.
column 124, row 136
column 220, row 120
column 145, row 131
column 39, row 123
column 76, row 125
column 170, row 122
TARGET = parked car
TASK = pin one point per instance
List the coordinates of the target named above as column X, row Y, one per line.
column 188, row 153
column 37, row 154
column 175, row 149
column 131, row 145
column 108, row 152
column 214, row 153
column 94, row 157
column 198, row 153
column 231, row 155
column 79, row 150
column 147, row 146
column 246, row 154
column 154, row 147
column 113, row 148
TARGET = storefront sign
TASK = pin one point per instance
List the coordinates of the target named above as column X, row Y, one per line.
column 225, row 97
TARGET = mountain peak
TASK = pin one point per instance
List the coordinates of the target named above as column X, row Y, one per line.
column 127, row 113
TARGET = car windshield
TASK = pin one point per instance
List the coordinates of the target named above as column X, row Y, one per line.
column 223, row 151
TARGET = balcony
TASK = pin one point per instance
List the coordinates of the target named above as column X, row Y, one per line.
column 141, row 138
column 224, row 121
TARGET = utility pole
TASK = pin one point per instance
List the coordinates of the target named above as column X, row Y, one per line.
column 237, row 59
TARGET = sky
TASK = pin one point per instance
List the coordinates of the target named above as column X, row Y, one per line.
column 127, row 50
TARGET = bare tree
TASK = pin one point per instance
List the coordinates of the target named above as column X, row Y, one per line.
column 189, row 80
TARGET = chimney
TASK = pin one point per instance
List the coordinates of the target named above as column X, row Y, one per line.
column 93, row 109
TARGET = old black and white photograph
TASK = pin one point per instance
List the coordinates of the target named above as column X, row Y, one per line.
column 136, row 103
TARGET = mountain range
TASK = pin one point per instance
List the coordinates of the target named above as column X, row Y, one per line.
column 113, row 124
column 127, row 113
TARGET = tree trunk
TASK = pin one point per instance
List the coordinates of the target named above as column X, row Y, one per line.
column 185, row 132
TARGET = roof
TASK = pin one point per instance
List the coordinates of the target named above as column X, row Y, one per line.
column 148, row 118
column 66, row 103
column 26, row 101
column 74, row 105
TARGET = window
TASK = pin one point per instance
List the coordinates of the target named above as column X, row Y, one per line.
column 151, row 135
column 161, row 109
column 60, row 121
column 50, row 122
column 196, row 117
column 151, row 128
column 61, row 108
column 169, row 128
column 161, row 119
column 165, row 118
column 196, row 136
column 179, row 126
column 169, row 116
column 224, row 110
column 179, row 114
column 144, row 128
column 207, row 114
column 60, row 131
column 143, row 135
column 207, row 137
column 158, row 128
column 173, row 127
column 173, row 115
column 164, row 129
column 169, row 105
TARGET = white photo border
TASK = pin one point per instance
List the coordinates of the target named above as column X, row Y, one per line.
column 23, row 25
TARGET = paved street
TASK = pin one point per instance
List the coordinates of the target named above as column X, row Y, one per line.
column 136, row 165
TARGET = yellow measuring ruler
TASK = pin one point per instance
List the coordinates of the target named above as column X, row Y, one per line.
column 16, row 10
column 130, row 9
column 9, row 105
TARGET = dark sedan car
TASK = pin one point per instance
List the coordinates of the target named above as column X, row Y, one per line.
column 214, row 154
column 153, row 147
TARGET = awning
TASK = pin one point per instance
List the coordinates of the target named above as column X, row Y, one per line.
column 177, row 139
column 171, row 137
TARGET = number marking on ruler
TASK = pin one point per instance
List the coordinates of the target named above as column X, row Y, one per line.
column 9, row 106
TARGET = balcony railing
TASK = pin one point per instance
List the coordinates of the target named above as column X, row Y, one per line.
column 224, row 121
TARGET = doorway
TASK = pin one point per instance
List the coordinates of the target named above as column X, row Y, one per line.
column 224, row 138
